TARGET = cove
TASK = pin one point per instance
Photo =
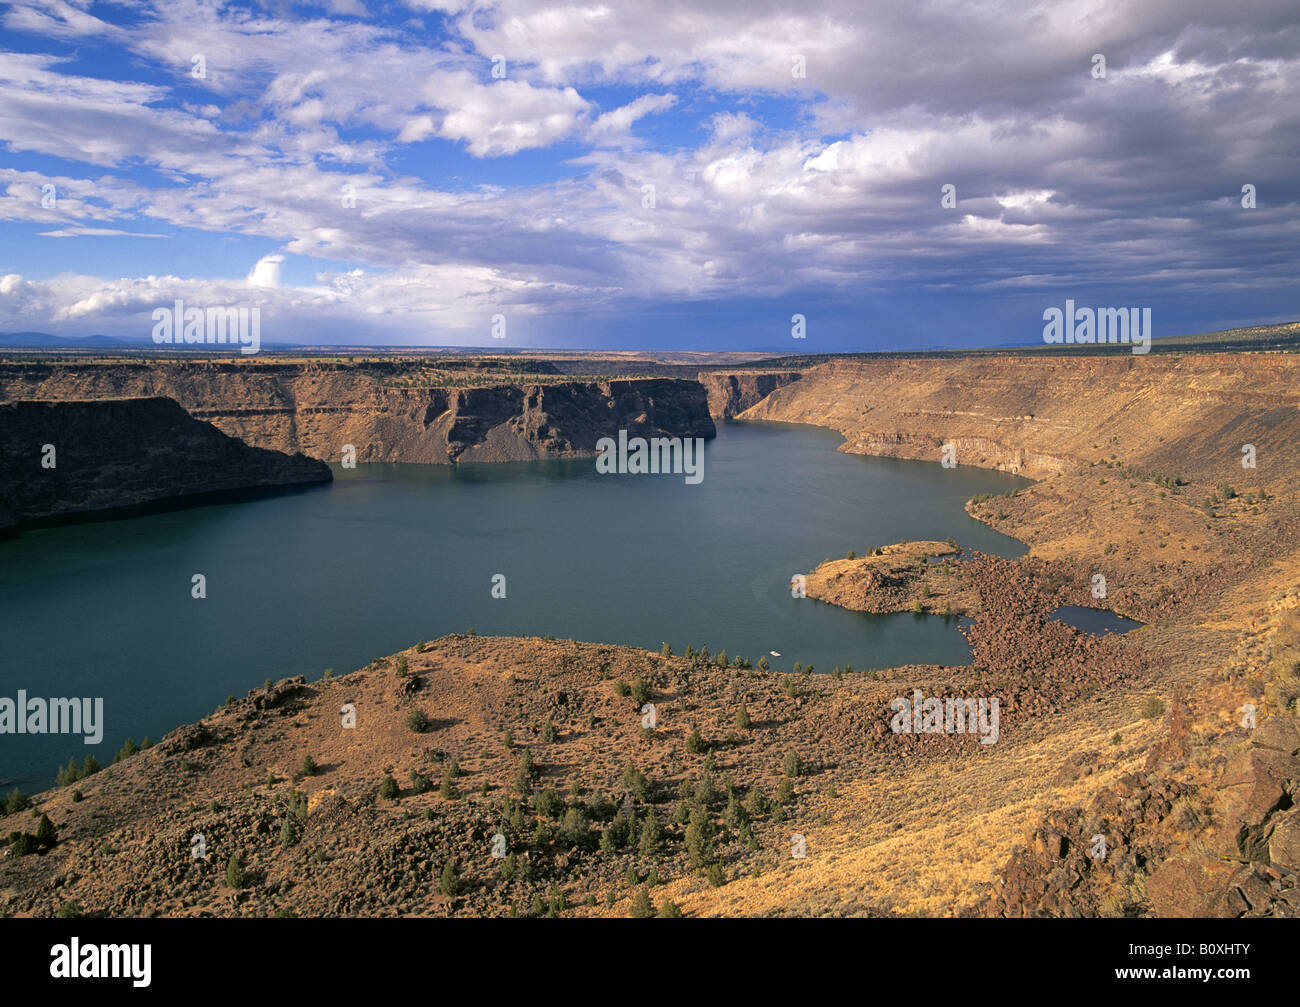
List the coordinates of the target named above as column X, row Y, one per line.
column 387, row 555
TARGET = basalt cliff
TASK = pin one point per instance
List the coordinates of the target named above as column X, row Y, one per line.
column 62, row 460
column 386, row 413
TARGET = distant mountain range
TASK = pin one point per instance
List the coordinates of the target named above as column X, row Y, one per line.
column 43, row 340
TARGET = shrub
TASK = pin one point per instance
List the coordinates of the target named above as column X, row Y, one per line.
column 716, row 876
column 743, row 719
column 70, row 911
column 574, row 829
column 792, row 765
column 1152, row 707
column 785, row 793
column 669, row 910
column 549, row 733
column 622, row 688
column 418, row 721
column 636, row 783
column 388, row 789
column 549, row 804
column 403, row 669
column 17, row 801
column 420, row 783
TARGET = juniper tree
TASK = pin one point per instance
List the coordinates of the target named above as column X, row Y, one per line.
column 235, row 876
column 46, row 834
column 449, row 883
column 641, row 908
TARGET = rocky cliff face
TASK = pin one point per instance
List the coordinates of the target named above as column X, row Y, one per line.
column 317, row 407
column 731, row 394
column 1040, row 416
column 59, row 459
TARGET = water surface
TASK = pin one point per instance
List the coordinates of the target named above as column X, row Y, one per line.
column 391, row 554
column 1096, row 621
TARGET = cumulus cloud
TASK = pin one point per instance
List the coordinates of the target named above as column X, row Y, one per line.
column 355, row 140
column 267, row 272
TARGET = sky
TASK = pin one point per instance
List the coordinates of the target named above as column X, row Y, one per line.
column 637, row 175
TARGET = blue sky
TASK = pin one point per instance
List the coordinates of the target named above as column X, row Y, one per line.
column 630, row 175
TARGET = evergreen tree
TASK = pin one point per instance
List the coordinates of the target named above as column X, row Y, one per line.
column 235, row 876
column 450, row 881
column 46, row 834
column 641, row 908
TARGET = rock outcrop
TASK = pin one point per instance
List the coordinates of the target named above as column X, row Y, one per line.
column 61, row 459
column 1039, row 416
column 317, row 407
column 731, row 394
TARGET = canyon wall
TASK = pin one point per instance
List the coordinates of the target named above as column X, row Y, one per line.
column 317, row 407
column 1039, row 415
column 59, row 459
column 731, row 394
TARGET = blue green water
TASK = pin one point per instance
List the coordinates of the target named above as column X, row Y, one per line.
column 1095, row 621
column 390, row 554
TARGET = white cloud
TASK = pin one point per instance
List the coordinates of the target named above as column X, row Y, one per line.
column 267, row 272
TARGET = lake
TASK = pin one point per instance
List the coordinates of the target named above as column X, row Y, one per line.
column 337, row 575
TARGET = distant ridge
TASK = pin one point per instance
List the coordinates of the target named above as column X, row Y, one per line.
column 43, row 340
